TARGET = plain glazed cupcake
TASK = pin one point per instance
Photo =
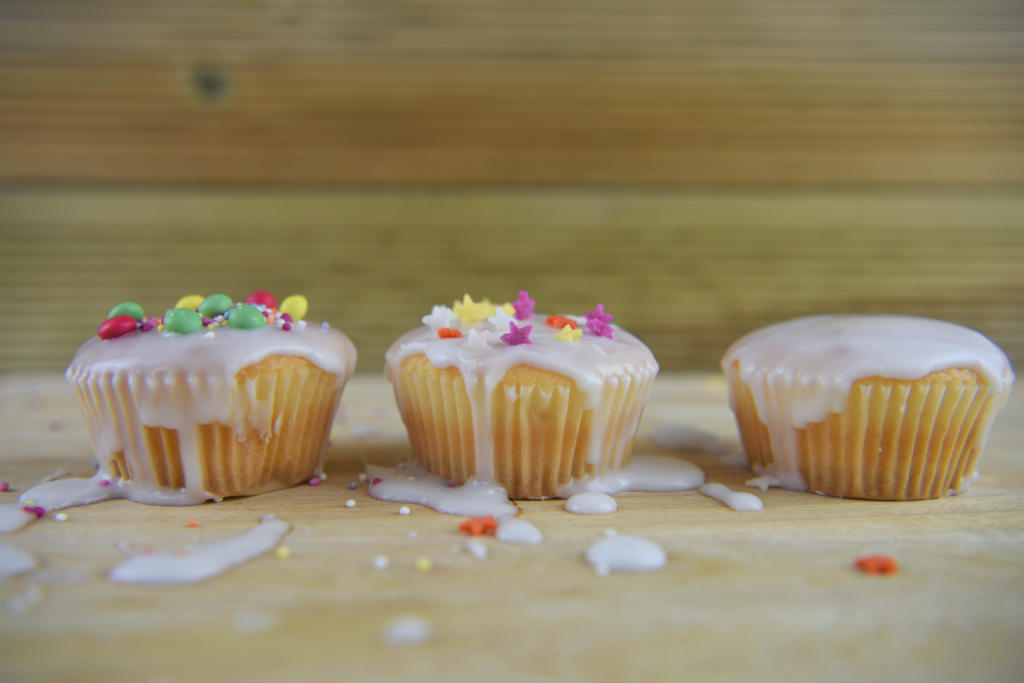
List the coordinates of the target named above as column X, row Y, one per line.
column 880, row 407
column 231, row 399
column 527, row 401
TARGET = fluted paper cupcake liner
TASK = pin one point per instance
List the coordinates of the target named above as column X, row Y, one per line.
column 542, row 431
column 278, row 418
column 894, row 440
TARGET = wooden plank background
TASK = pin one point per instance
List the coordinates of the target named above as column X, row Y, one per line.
column 702, row 167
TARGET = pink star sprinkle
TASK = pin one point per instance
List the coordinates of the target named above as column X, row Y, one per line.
column 599, row 315
column 376, row 480
column 599, row 328
column 523, row 306
column 517, row 335
column 315, row 481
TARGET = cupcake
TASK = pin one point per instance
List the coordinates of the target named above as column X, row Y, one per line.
column 528, row 401
column 882, row 407
column 213, row 399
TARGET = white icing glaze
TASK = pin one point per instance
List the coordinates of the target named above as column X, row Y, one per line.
column 737, row 500
column 14, row 561
column 410, row 483
column 682, row 437
column 200, row 562
column 644, row 473
column 483, row 361
column 181, row 381
column 625, row 554
column 812, row 362
column 13, row 517
column 65, row 493
column 406, row 630
column 517, row 530
column 591, row 503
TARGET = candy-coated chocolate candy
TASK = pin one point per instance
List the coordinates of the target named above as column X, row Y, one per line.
column 127, row 308
column 190, row 301
column 182, row 321
column 215, row 304
column 116, row 326
column 262, row 298
column 246, row 317
column 295, row 306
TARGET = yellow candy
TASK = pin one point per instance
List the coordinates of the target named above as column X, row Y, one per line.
column 508, row 308
column 190, row 301
column 470, row 311
column 567, row 334
column 423, row 564
column 283, row 552
column 295, row 306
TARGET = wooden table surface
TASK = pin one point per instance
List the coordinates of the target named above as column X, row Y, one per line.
column 771, row 595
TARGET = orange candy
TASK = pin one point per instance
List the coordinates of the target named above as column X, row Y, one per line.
column 478, row 526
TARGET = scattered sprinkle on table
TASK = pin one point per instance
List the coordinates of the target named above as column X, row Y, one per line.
column 315, row 481
column 60, row 517
column 381, row 562
column 353, row 485
column 423, row 564
column 877, row 564
column 350, row 503
column 4, row 486
column 193, row 522
column 478, row 526
column 403, row 510
column 283, row 552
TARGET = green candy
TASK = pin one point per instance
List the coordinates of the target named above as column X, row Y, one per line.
column 127, row 308
column 215, row 304
column 182, row 320
column 246, row 317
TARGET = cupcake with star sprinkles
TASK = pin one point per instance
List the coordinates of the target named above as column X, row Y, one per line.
column 214, row 398
column 532, row 402
column 881, row 407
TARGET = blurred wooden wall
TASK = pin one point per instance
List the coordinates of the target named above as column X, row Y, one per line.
column 701, row 166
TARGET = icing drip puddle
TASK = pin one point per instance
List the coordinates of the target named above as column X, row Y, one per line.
column 412, row 484
column 737, row 500
column 629, row 554
column 200, row 562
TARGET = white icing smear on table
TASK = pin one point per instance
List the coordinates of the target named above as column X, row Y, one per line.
column 680, row 437
column 737, row 500
column 200, row 562
column 802, row 370
column 591, row 503
column 14, row 561
column 412, row 484
column 71, row 492
column 625, row 554
column 517, row 530
column 13, row 517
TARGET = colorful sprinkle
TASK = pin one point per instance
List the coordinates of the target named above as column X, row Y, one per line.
column 381, row 562
column 376, row 480
column 877, row 564
column 561, row 321
column 261, row 298
column 151, row 323
column 193, row 522
column 353, row 485
column 350, row 503
column 34, row 510
column 4, row 486
column 190, row 301
column 449, row 333
column 469, row 311
column 523, row 306
column 104, row 482
column 568, row 334
column 60, row 517
column 599, row 328
column 478, row 526
column 127, row 308
column 315, row 481
column 282, row 552
column 404, row 511
column 517, row 335
column 599, row 314
column 287, row 327
column 115, row 327
column 295, row 307
column 423, row 564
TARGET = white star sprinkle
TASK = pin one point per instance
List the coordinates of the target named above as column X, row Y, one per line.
column 441, row 316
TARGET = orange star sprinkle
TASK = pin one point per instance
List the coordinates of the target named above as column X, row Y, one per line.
column 877, row 564
column 561, row 321
column 193, row 522
column 478, row 526
column 449, row 333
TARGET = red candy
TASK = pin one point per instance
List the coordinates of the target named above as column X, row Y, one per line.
column 261, row 298
column 117, row 326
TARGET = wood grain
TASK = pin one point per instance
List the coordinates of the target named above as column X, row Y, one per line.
column 689, row 272
column 836, row 93
column 770, row 595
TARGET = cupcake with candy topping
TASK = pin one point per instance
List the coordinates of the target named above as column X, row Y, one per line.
column 531, row 402
column 214, row 398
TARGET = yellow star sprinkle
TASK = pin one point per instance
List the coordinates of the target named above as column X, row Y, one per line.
column 567, row 334
column 508, row 308
column 469, row 311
